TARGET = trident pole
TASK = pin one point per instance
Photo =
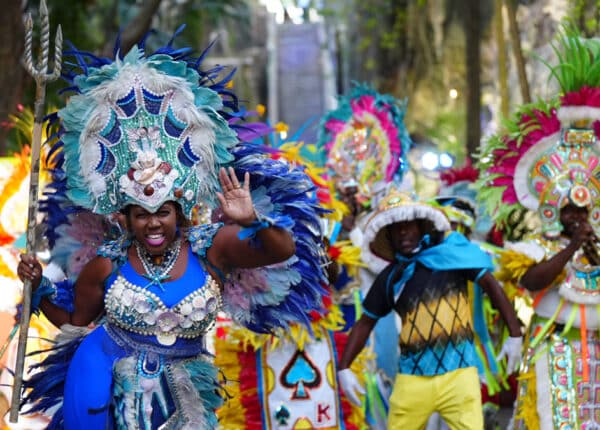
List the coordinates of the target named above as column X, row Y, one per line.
column 41, row 76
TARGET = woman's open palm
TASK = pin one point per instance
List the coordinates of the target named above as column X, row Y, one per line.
column 235, row 199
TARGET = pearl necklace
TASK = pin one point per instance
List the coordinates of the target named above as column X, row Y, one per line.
column 158, row 272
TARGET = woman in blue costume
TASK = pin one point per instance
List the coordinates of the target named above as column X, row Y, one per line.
column 148, row 138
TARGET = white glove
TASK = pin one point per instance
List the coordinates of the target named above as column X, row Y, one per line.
column 511, row 349
column 350, row 385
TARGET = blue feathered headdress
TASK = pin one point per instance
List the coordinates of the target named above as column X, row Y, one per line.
column 144, row 129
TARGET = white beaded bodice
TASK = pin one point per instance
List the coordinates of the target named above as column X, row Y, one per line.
column 136, row 309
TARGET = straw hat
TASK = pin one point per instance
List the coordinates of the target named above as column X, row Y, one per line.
column 397, row 206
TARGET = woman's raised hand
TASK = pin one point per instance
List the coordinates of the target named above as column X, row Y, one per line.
column 236, row 201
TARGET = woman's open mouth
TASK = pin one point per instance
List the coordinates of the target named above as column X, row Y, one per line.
column 155, row 239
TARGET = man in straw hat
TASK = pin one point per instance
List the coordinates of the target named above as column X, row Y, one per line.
column 425, row 282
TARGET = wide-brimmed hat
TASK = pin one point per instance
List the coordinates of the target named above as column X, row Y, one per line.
column 397, row 206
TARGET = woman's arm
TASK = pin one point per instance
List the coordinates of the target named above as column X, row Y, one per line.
column 89, row 291
column 271, row 244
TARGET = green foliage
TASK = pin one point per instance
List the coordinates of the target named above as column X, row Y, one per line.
column 202, row 16
column 81, row 22
column 447, row 131
column 90, row 25
column 390, row 39
column 585, row 15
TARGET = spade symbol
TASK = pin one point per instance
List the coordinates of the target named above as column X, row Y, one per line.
column 282, row 415
column 300, row 374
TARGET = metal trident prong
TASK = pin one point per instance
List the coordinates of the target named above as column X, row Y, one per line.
column 41, row 76
column 40, row 73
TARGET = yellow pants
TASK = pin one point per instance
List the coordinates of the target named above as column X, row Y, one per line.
column 455, row 395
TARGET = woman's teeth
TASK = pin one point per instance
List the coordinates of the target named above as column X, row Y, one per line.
column 155, row 239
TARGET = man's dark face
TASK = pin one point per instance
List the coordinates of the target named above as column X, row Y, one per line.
column 571, row 217
column 405, row 236
column 348, row 196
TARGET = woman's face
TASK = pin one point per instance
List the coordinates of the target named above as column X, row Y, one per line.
column 405, row 236
column 155, row 231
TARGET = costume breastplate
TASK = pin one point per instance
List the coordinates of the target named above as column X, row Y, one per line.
column 134, row 308
column 582, row 284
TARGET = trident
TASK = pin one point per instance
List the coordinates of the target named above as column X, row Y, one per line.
column 41, row 76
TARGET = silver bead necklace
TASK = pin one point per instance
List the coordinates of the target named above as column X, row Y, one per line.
column 158, row 272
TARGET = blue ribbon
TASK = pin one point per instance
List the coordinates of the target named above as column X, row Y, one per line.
column 455, row 252
column 46, row 289
column 251, row 230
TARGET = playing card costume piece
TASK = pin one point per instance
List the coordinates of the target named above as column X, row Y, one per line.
column 145, row 129
column 545, row 158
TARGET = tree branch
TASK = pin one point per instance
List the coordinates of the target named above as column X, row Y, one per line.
column 136, row 28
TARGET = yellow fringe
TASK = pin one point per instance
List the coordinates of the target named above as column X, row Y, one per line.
column 231, row 415
column 296, row 334
column 360, row 366
column 512, row 265
column 349, row 254
column 527, row 401
column 6, row 271
column 291, row 152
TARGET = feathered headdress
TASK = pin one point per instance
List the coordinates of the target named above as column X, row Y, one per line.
column 143, row 130
column 546, row 156
column 365, row 141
